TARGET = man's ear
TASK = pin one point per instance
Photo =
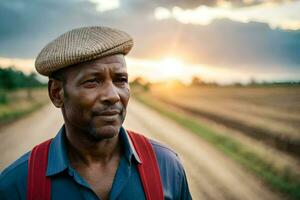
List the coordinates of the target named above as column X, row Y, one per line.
column 56, row 92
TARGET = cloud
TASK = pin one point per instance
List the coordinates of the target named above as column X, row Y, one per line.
column 223, row 43
column 27, row 26
column 285, row 15
column 105, row 5
column 191, row 4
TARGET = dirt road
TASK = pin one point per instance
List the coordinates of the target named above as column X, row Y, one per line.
column 210, row 174
column 22, row 135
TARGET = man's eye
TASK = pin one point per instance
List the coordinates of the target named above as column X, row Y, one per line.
column 90, row 83
column 121, row 80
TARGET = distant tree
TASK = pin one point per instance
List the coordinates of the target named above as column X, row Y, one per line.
column 197, row 81
column 141, row 83
column 253, row 82
column 237, row 84
column 10, row 79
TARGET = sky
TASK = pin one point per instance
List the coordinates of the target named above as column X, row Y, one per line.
column 219, row 40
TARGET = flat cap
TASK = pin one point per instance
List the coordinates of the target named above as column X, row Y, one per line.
column 81, row 45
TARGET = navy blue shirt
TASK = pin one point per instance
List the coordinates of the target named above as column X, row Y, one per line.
column 66, row 183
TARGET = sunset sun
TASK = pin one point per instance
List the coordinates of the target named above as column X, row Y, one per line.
column 171, row 67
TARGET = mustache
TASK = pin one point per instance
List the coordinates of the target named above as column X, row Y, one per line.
column 100, row 111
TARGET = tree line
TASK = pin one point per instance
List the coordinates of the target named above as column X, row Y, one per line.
column 11, row 79
column 197, row 81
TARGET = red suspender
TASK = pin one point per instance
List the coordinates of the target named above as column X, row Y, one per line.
column 148, row 169
column 38, row 185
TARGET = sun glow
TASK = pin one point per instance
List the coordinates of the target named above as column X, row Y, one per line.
column 171, row 68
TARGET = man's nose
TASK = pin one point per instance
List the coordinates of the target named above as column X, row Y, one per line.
column 109, row 93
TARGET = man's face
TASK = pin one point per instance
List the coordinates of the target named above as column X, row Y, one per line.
column 96, row 94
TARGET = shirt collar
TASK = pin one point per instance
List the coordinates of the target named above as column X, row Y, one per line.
column 129, row 149
column 58, row 159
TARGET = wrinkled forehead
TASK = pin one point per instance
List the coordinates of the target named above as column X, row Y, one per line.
column 113, row 64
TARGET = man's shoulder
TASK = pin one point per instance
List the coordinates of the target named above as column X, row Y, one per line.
column 166, row 156
column 15, row 171
column 171, row 171
column 163, row 150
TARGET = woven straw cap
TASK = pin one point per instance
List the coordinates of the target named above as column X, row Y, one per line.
column 81, row 45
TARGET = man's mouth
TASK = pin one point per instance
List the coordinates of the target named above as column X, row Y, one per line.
column 108, row 115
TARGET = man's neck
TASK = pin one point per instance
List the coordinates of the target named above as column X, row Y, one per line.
column 83, row 151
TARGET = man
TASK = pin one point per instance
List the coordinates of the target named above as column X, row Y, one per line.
column 92, row 156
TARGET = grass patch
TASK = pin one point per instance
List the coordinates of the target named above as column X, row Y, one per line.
column 20, row 103
column 12, row 115
column 283, row 181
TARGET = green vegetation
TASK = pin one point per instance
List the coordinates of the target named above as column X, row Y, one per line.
column 12, row 114
column 11, row 79
column 20, row 94
column 283, row 181
column 21, row 102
